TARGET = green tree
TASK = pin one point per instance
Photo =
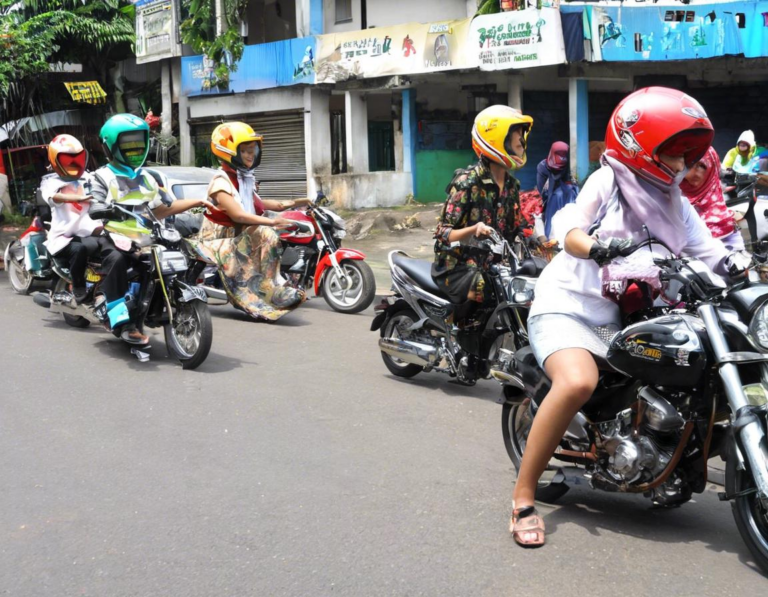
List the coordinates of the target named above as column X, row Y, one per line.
column 95, row 33
column 198, row 30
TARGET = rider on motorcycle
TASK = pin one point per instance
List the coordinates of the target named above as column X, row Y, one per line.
column 653, row 137
column 739, row 158
column 237, row 234
column 481, row 199
column 73, row 235
column 125, row 139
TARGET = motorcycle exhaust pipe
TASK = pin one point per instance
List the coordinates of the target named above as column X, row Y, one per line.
column 216, row 294
column 413, row 353
column 507, row 378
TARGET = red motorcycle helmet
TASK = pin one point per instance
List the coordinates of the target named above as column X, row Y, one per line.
column 655, row 121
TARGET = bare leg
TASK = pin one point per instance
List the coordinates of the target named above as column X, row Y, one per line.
column 574, row 375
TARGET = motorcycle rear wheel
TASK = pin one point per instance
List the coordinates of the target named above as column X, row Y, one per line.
column 390, row 329
column 355, row 297
column 751, row 518
column 516, row 421
column 190, row 334
column 18, row 276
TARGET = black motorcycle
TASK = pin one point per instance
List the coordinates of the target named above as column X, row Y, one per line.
column 686, row 383
column 416, row 327
column 160, row 297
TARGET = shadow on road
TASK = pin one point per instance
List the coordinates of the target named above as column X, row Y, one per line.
column 483, row 390
column 628, row 515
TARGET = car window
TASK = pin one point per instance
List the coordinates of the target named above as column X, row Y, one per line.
column 190, row 191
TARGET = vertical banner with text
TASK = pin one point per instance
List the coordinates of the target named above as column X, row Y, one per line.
column 155, row 30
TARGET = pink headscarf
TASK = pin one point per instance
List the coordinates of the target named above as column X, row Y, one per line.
column 708, row 200
column 558, row 156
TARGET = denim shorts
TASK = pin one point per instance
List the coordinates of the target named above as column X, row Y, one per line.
column 551, row 332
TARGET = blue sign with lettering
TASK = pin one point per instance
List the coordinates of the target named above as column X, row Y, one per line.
column 263, row 66
column 668, row 32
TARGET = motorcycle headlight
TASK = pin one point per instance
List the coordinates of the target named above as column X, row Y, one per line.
column 758, row 327
column 170, row 235
column 339, row 233
column 173, row 262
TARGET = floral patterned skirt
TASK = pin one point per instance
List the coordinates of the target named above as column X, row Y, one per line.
column 249, row 267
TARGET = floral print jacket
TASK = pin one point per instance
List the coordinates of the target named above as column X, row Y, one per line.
column 474, row 197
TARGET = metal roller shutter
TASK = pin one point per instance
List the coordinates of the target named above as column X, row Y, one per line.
column 283, row 170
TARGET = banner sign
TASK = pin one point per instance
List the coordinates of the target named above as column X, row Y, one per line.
column 665, row 32
column 263, row 66
column 517, row 39
column 89, row 92
column 412, row 48
column 155, row 31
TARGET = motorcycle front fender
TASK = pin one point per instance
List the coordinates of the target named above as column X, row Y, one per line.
column 187, row 293
column 326, row 262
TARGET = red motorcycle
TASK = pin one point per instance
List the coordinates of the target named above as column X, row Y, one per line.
column 312, row 254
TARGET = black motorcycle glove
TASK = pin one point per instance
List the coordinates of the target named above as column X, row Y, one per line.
column 603, row 252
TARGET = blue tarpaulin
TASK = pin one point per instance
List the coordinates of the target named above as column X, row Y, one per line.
column 573, row 35
column 262, row 66
column 669, row 32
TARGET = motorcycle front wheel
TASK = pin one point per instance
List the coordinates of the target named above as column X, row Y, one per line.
column 751, row 517
column 18, row 276
column 516, row 422
column 353, row 294
column 190, row 333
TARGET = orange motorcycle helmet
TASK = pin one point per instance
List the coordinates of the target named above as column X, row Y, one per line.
column 68, row 157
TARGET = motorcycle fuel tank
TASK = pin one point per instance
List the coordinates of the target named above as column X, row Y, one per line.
column 664, row 351
column 300, row 237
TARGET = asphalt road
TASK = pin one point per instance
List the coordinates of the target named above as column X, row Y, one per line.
column 292, row 463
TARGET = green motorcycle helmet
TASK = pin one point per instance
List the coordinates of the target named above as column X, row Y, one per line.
column 125, row 139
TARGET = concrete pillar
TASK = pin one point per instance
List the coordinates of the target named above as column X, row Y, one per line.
column 578, row 115
column 317, row 136
column 471, row 8
column 356, row 117
column 221, row 24
column 165, row 93
column 410, row 134
column 186, row 149
column 515, row 92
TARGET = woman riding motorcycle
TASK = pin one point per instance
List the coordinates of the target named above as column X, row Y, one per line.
column 236, row 234
column 653, row 137
column 481, row 199
column 125, row 139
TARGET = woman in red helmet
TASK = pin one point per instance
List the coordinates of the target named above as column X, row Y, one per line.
column 654, row 136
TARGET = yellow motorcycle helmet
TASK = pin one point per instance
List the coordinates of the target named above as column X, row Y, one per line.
column 491, row 131
column 226, row 140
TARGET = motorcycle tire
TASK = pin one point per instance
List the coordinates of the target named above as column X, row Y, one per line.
column 76, row 321
column 514, row 441
column 190, row 335
column 396, row 366
column 751, row 518
column 18, row 276
column 363, row 287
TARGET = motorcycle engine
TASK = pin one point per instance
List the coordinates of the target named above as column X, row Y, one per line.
column 643, row 456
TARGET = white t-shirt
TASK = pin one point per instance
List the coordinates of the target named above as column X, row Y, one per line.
column 571, row 286
column 67, row 219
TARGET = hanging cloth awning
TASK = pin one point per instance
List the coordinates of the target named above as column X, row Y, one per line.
column 87, row 91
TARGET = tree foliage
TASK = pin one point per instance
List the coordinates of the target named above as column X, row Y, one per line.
column 198, row 30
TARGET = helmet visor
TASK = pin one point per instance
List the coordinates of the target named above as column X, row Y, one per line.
column 692, row 145
column 509, row 144
column 73, row 163
column 133, row 147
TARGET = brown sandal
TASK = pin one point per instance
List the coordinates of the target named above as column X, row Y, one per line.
column 526, row 521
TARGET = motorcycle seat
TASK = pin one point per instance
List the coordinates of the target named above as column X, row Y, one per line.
column 420, row 271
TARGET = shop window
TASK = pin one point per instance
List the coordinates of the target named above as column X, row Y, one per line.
column 338, row 143
column 343, row 11
column 381, row 146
